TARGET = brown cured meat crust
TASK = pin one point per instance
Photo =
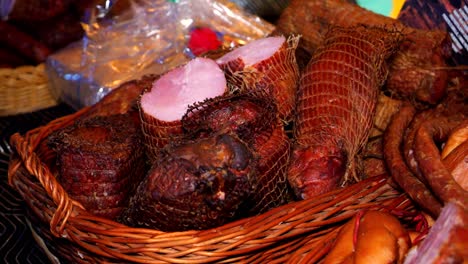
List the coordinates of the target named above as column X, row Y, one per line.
column 98, row 154
column 371, row 158
column 336, row 105
column 274, row 152
column 122, row 99
column 85, row 175
column 196, row 185
column 105, row 188
column 276, row 76
column 245, row 114
column 417, row 69
column 340, row 84
column 253, row 118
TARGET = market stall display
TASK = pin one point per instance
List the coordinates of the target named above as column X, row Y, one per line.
column 261, row 167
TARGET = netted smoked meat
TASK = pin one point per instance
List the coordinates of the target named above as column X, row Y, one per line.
column 255, row 121
column 418, row 70
column 195, row 185
column 244, row 114
column 164, row 103
column 100, row 161
column 268, row 65
column 274, row 151
column 336, row 105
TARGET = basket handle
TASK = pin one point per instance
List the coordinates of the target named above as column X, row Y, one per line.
column 65, row 205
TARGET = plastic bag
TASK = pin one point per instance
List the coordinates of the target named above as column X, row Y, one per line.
column 149, row 37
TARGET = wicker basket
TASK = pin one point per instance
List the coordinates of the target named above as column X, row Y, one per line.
column 298, row 232
column 24, row 89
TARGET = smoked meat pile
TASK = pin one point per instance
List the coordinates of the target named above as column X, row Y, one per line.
column 218, row 139
column 417, row 69
column 100, row 160
column 288, row 117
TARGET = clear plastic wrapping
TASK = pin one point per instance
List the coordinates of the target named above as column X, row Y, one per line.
column 150, row 37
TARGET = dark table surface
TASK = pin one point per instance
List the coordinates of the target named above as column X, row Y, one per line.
column 17, row 244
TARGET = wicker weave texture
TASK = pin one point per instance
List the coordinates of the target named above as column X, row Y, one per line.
column 297, row 232
column 24, row 89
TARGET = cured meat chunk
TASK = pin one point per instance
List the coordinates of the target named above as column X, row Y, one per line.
column 99, row 161
column 255, row 121
column 268, row 65
column 274, row 151
column 243, row 114
column 418, row 68
column 171, row 94
column 76, row 187
column 195, row 185
column 122, row 99
column 336, row 105
column 167, row 99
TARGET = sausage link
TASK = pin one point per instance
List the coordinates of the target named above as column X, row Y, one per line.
column 23, row 43
column 400, row 172
column 428, row 157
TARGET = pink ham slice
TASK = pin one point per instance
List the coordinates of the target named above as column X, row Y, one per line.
column 167, row 100
column 171, row 94
column 255, row 51
column 267, row 65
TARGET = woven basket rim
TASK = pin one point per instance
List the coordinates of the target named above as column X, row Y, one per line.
column 24, row 89
column 236, row 240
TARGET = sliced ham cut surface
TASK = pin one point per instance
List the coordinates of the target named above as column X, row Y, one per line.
column 255, row 51
column 171, row 94
column 267, row 65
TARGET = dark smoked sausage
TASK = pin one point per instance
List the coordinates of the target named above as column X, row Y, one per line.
column 430, row 163
column 23, row 43
column 400, row 172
